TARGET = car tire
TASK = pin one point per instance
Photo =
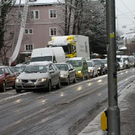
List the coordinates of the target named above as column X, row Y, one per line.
column 75, row 80
column 3, row 86
column 18, row 90
column 58, row 85
column 13, row 86
column 49, row 88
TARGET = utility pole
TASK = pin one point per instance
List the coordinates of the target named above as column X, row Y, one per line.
column 113, row 112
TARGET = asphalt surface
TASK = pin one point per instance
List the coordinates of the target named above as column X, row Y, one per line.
column 66, row 111
column 127, row 114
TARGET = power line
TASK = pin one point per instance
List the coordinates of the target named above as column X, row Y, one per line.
column 126, row 13
column 127, row 8
column 125, row 16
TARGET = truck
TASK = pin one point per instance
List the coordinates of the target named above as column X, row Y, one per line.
column 53, row 54
column 73, row 45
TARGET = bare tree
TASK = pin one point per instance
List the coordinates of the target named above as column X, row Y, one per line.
column 5, row 39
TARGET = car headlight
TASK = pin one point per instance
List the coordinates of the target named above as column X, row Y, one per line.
column 79, row 71
column 17, row 80
column 42, row 80
column 99, row 68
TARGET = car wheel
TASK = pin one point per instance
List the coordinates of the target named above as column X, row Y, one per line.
column 3, row 86
column 18, row 90
column 68, row 81
column 101, row 72
column 49, row 88
column 74, row 81
column 58, row 85
column 13, row 86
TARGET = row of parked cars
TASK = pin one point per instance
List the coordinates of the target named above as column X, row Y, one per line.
column 45, row 75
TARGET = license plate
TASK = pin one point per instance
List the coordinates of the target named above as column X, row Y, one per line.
column 28, row 84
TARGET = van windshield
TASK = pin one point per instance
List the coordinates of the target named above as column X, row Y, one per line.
column 45, row 58
column 67, row 49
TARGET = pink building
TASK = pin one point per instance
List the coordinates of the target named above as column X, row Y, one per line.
column 43, row 22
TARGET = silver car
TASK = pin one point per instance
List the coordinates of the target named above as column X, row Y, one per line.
column 67, row 72
column 38, row 76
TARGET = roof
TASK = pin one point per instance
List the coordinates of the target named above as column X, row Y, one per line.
column 40, row 63
column 40, row 2
column 75, row 58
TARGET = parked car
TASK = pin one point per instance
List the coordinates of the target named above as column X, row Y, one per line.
column 105, row 63
column 92, row 69
column 121, row 62
column 67, row 72
column 80, row 65
column 18, row 69
column 7, row 78
column 38, row 75
column 100, row 66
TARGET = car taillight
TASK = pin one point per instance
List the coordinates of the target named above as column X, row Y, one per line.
column 0, row 80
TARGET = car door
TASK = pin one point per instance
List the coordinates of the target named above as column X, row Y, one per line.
column 8, row 77
column 71, row 72
column 52, row 74
column 57, row 73
column 12, row 75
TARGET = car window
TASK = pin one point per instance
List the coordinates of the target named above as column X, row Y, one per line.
column 70, row 66
column 35, row 69
column 55, row 67
column 10, row 71
column 63, row 67
column 51, row 67
column 89, row 64
column 6, row 70
column 1, row 70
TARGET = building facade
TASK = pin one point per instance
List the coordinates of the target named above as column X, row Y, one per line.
column 43, row 22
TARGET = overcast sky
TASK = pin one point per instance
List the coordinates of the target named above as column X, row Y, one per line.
column 125, row 13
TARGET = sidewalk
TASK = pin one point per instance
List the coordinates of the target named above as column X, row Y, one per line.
column 127, row 114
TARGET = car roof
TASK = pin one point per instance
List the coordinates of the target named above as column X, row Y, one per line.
column 61, row 63
column 45, row 63
column 76, row 58
column 3, row 66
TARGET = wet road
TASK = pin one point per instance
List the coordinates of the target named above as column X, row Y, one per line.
column 61, row 112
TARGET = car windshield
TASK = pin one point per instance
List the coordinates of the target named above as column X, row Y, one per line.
column 18, row 69
column 89, row 64
column 62, row 67
column 1, row 71
column 104, row 61
column 45, row 58
column 96, row 62
column 118, row 59
column 75, row 63
column 35, row 69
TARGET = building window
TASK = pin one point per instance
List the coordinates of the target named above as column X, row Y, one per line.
column 34, row 14
column 52, row 13
column 53, row 31
column 29, row 31
column 29, row 47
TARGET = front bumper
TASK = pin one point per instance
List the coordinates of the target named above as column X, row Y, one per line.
column 64, row 79
column 31, row 86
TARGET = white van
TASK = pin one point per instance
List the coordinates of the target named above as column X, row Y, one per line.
column 54, row 54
